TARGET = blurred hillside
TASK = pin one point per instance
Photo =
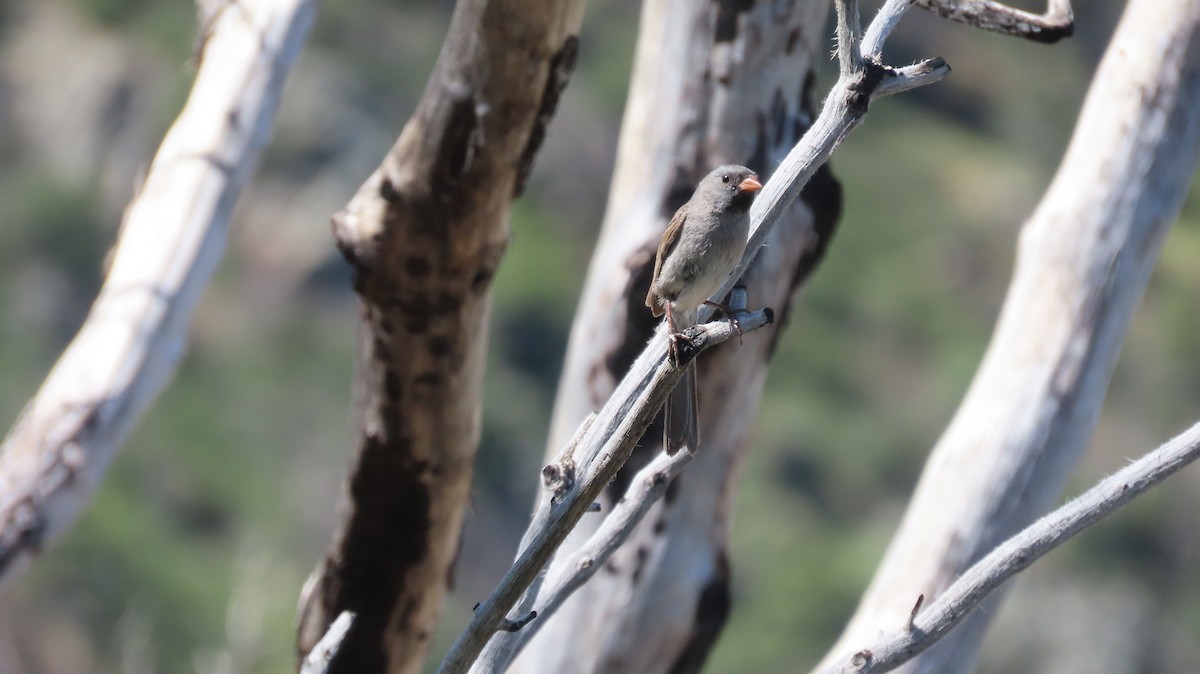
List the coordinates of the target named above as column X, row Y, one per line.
column 193, row 552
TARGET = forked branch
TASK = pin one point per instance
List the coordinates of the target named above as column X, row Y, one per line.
column 605, row 445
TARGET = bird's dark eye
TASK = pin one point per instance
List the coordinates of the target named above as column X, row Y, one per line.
column 725, row 178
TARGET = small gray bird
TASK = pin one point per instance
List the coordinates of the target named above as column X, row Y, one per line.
column 700, row 248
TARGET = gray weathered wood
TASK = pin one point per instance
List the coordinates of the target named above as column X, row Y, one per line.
column 692, row 104
column 1084, row 259
column 604, row 447
column 926, row 626
column 171, row 240
column 1056, row 23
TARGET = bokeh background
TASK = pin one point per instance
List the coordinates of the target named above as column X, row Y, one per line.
column 191, row 556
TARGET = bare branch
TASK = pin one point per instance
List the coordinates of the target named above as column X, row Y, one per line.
column 1084, row 258
column 170, row 242
column 318, row 659
column 646, row 487
column 607, row 443
column 1016, row 554
column 849, row 36
column 882, row 26
column 624, row 419
column 910, row 77
column 1058, row 21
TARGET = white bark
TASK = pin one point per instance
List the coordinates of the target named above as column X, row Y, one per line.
column 924, row 627
column 602, row 448
column 170, row 242
column 318, row 659
column 1084, row 259
column 697, row 101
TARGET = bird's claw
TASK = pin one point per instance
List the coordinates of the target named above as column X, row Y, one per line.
column 731, row 316
column 673, row 352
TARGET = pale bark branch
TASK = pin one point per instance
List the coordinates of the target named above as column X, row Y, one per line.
column 645, row 488
column 1084, row 259
column 606, row 444
column 1016, row 554
column 1056, row 23
column 625, row 418
column 844, row 110
column 170, row 242
column 318, row 659
column 849, row 35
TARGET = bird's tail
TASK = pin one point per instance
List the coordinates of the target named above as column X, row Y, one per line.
column 680, row 425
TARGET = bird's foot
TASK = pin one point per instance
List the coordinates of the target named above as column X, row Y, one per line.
column 673, row 346
column 730, row 315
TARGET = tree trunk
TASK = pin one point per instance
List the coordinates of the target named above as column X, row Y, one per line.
column 713, row 83
column 1084, row 259
column 424, row 236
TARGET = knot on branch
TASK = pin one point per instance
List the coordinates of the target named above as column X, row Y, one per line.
column 558, row 478
column 863, row 85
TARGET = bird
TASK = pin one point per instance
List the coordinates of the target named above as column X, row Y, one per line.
column 701, row 247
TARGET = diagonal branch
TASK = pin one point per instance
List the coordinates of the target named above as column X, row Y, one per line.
column 1017, row 554
column 170, row 242
column 606, row 444
column 1084, row 258
column 646, row 487
column 318, row 659
column 627, row 417
column 1056, row 23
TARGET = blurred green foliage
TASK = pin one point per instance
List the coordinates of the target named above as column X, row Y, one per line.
column 207, row 523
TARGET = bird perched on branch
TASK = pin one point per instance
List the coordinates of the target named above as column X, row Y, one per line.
column 701, row 247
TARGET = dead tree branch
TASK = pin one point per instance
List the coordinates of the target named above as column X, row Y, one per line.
column 1084, row 259
column 627, row 418
column 1055, row 24
column 924, row 629
column 318, row 659
column 171, row 239
column 606, row 444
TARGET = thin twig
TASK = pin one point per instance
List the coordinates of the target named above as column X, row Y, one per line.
column 1056, row 23
column 558, row 477
column 644, row 490
column 882, row 26
column 1016, row 554
column 318, row 659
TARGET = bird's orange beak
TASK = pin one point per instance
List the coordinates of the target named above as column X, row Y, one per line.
column 750, row 184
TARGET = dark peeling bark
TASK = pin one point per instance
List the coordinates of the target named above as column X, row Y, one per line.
column 424, row 236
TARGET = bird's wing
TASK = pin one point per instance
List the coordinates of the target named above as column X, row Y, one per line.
column 669, row 241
